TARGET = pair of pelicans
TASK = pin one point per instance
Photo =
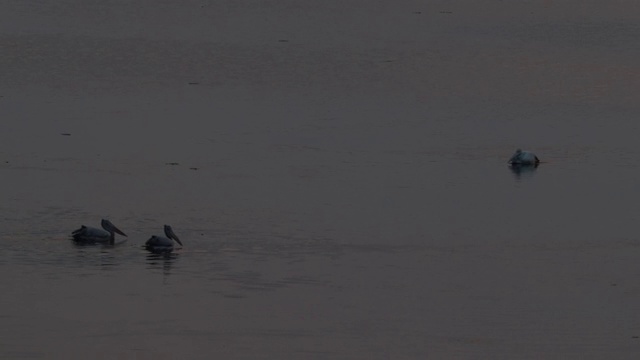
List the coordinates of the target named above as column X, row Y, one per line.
column 156, row 244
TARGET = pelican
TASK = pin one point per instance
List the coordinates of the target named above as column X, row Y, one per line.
column 159, row 244
column 524, row 158
column 88, row 234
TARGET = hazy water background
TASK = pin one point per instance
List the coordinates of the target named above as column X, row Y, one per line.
column 336, row 171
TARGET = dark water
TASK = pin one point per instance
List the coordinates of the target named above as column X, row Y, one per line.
column 336, row 171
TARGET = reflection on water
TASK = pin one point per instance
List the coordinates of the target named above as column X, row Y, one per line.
column 523, row 171
column 161, row 261
column 99, row 256
column 82, row 245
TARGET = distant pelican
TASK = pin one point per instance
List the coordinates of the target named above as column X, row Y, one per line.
column 94, row 235
column 159, row 244
column 524, row 158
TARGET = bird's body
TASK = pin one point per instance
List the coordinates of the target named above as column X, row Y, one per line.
column 161, row 244
column 524, row 158
column 87, row 234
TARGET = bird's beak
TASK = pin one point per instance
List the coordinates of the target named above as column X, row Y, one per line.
column 118, row 231
column 172, row 235
column 176, row 239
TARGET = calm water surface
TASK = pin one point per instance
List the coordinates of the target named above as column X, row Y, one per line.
column 336, row 171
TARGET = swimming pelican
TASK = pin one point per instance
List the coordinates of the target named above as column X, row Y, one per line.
column 92, row 235
column 159, row 244
column 524, row 158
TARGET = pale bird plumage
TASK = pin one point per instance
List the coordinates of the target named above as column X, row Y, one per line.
column 160, row 244
column 524, row 158
column 87, row 234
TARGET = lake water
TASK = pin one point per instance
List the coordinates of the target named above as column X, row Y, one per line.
column 337, row 174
